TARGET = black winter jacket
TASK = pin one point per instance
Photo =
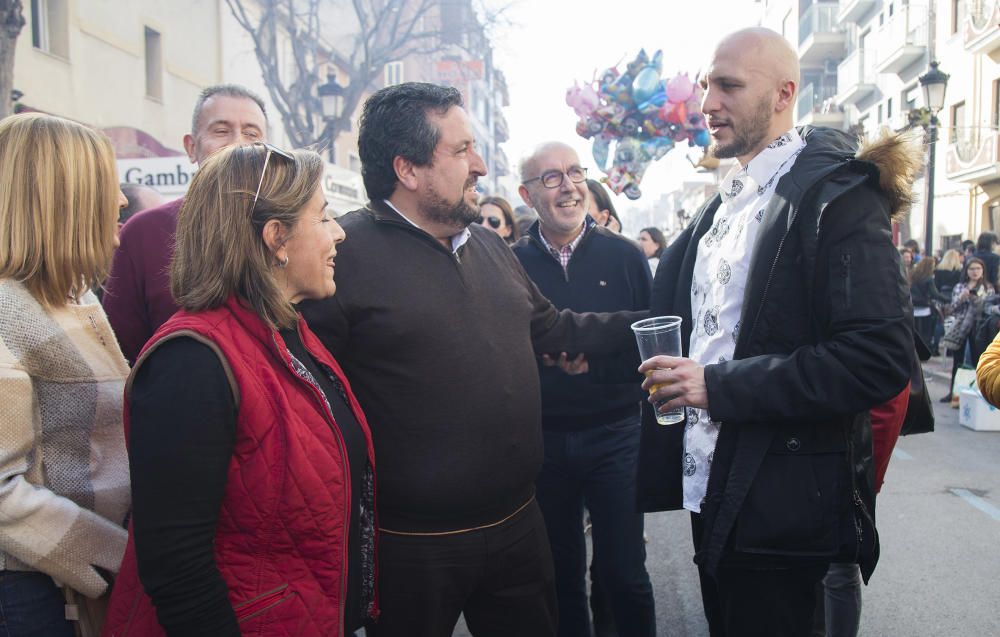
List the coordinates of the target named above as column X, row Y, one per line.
column 606, row 273
column 825, row 336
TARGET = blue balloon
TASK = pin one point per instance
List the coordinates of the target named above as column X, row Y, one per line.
column 701, row 138
column 645, row 84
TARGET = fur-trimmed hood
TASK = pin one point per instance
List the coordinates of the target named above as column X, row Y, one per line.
column 892, row 159
column 899, row 158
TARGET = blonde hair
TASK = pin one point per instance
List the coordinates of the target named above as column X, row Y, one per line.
column 951, row 260
column 58, row 206
column 220, row 250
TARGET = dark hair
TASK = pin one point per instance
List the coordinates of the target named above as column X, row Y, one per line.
column 986, row 241
column 912, row 245
column 508, row 216
column 394, row 123
column 133, row 192
column 602, row 199
column 968, row 243
column 226, row 90
column 658, row 239
column 973, row 260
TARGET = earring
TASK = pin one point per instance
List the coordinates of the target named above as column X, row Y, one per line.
column 283, row 262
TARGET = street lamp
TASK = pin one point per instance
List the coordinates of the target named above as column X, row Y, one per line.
column 934, row 83
column 331, row 96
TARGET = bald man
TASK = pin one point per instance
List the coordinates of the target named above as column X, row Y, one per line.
column 794, row 326
column 590, row 428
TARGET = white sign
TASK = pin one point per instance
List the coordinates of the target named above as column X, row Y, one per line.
column 170, row 176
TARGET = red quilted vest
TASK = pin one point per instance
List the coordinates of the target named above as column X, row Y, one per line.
column 281, row 543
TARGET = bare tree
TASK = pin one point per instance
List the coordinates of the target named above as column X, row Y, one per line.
column 359, row 37
column 11, row 23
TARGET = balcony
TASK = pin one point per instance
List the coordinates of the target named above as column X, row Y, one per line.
column 855, row 77
column 980, row 31
column 853, row 10
column 817, row 107
column 500, row 129
column 973, row 156
column 820, row 35
column 902, row 40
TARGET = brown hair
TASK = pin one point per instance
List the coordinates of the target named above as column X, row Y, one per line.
column 58, row 206
column 508, row 216
column 220, row 247
column 924, row 269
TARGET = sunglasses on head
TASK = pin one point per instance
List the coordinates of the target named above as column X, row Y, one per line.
column 271, row 150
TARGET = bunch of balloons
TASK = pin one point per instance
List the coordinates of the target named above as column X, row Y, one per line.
column 642, row 113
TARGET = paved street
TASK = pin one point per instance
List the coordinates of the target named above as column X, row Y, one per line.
column 939, row 574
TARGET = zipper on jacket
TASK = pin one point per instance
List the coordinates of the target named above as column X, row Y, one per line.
column 259, row 604
column 342, row 448
column 845, row 261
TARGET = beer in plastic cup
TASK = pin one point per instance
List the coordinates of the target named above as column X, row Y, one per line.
column 660, row 335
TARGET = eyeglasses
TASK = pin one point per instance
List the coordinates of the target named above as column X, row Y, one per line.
column 263, row 171
column 493, row 221
column 554, row 178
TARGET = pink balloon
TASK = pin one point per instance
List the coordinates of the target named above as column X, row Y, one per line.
column 679, row 88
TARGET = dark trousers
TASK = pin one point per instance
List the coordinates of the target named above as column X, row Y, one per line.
column 31, row 605
column 741, row 601
column 596, row 467
column 838, row 603
column 500, row 577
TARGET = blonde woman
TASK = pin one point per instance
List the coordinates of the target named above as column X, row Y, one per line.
column 64, row 492
column 252, row 463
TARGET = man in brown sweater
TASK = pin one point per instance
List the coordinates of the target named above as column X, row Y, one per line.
column 438, row 328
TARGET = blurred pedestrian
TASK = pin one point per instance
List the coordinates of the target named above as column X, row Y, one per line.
column 252, row 463
column 137, row 293
column 590, row 428
column 65, row 489
column 785, row 328
column 652, row 242
column 926, row 299
column 602, row 209
column 946, row 276
column 440, row 343
column 967, row 301
column 986, row 246
column 906, row 262
column 968, row 249
column 914, row 248
column 497, row 215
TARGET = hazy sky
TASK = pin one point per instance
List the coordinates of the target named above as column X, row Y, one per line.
column 551, row 43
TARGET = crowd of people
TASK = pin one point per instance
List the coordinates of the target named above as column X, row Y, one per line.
column 275, row 422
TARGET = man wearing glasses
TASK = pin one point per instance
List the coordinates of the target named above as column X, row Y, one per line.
column 591, row 429
column 137, row 295
column 437, row 326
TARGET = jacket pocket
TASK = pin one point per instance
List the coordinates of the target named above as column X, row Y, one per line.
column 795, row 504
column 262, row 603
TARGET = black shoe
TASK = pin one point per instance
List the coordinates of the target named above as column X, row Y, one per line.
column 946, row 399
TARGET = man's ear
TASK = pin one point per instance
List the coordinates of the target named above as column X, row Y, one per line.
column 406, row 172
column 525, row 196
column 189, row 146
column 275, row 235
column 786, row 96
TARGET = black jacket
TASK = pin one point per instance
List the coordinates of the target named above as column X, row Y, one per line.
column 826, row 336
column 925, row 292
column 606, row 273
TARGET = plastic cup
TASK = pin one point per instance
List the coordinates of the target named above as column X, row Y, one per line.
column 660, row 335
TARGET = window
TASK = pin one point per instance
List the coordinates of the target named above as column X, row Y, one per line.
column 393, row 73
column 154, row 65
column 911, row 97
column 49, row 26
column 888, row 108
column 958, row 10
column 957, row 121
column 880, row 111
column 995, row 107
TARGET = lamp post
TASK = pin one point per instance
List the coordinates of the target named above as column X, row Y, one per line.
column 331, row 96
column 934, row 84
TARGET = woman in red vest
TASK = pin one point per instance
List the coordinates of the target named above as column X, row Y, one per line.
column 251, row 461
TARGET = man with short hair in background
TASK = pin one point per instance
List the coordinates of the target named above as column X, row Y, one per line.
column 137, row 296
column 590, row 428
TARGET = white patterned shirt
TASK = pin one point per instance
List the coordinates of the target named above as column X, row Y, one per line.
column 717, row 286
